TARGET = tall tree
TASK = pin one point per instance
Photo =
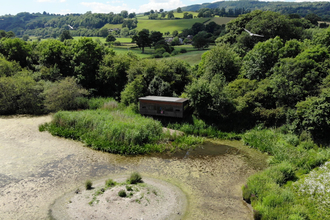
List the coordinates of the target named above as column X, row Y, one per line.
column 142, row 39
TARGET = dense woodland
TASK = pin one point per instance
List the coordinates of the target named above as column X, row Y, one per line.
column 302, row 8
column 277, row 85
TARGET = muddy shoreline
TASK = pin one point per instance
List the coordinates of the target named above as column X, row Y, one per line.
column 38, row 168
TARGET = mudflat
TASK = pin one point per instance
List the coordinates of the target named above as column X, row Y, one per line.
column 37, row 169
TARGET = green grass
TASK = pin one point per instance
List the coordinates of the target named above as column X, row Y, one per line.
column 116, row 130
column 168, row 25
column 136, row 51
column 276, row 193
column 221, row 20
column 193, row 57
column 122, row 132
column 112, row 26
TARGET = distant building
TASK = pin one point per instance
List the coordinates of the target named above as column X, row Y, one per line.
column 163, row 106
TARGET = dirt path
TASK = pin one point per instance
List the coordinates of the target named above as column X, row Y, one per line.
column 37, row 168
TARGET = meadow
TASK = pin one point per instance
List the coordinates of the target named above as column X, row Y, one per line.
column 168, row 25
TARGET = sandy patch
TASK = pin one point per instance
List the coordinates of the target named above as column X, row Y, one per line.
column 153, row 199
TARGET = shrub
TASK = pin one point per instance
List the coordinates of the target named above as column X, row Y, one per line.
column 183, row 50
column 20, row 94
column 135, row 178
column 110, row 183
column 63, row 95
column 166, row 54
column 129, row 188
column 122, row 193
column 88, row 184
column 174, row 52
column 117, row 43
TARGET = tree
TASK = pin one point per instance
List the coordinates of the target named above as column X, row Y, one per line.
column 200, row 40
column 124, row 32
column 25, row 37
column 170, row 15
column 110, row 38
column 54, row 54
column 112, row 74
column 142, row 39
column 258, row 61
column 132, row 15
column 124, row 14
column 155, row 37
column 197, row 27
column 221, row 60
column 179, row 10
column 16, row 49
column 313, row 18
column 87, row 55
column 103, row 32
column 161, row 10
column 175, row 33
column 65, row 35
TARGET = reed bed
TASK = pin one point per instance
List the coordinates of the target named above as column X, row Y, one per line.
column 114, row 131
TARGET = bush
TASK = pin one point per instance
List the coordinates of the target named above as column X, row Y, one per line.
column 166, row 54
column 20, row 94
column 135, row 178
column 183, row 50
column 129, row 188
column 122, row 193
column 63, row 95
column 110, row 183
column 174, row 52
column 88, row 184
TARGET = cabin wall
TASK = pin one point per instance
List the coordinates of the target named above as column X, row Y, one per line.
column 167, row 109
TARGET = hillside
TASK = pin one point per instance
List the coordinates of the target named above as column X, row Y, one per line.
column 302, row 8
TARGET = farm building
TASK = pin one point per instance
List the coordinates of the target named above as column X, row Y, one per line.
column 163, row 106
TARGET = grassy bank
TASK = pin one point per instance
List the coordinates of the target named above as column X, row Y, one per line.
column 275, row 192
column 116, row 129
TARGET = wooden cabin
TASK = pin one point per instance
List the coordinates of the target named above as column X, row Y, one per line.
column 163, row 106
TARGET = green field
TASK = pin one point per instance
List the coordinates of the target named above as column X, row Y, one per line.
column 221, row 20
column 137, row 51
column 112, row 26
column 168, row 25
column 193, row 57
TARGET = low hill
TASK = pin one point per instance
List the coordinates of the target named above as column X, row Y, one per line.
column 302, row 8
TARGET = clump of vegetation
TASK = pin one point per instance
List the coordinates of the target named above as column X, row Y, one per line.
column 129, row 188
column 122, row 132
column 110, row 183
column 135, row 178
column 88, row 184
column 122, row 193
column 270, row 192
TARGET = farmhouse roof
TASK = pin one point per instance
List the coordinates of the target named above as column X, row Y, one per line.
column 163, row 99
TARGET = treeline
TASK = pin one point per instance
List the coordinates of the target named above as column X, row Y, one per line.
column 222, row 12
column 302, row 8
column 33, row 24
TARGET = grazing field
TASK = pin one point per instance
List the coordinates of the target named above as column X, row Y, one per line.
column 112, row 26
column 136, row 51
column 221, row 20
column 193, row 57
column 168, row 25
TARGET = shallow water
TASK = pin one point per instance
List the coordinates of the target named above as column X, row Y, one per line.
column 37, row 168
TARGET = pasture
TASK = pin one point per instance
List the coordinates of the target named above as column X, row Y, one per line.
column 168, row 25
